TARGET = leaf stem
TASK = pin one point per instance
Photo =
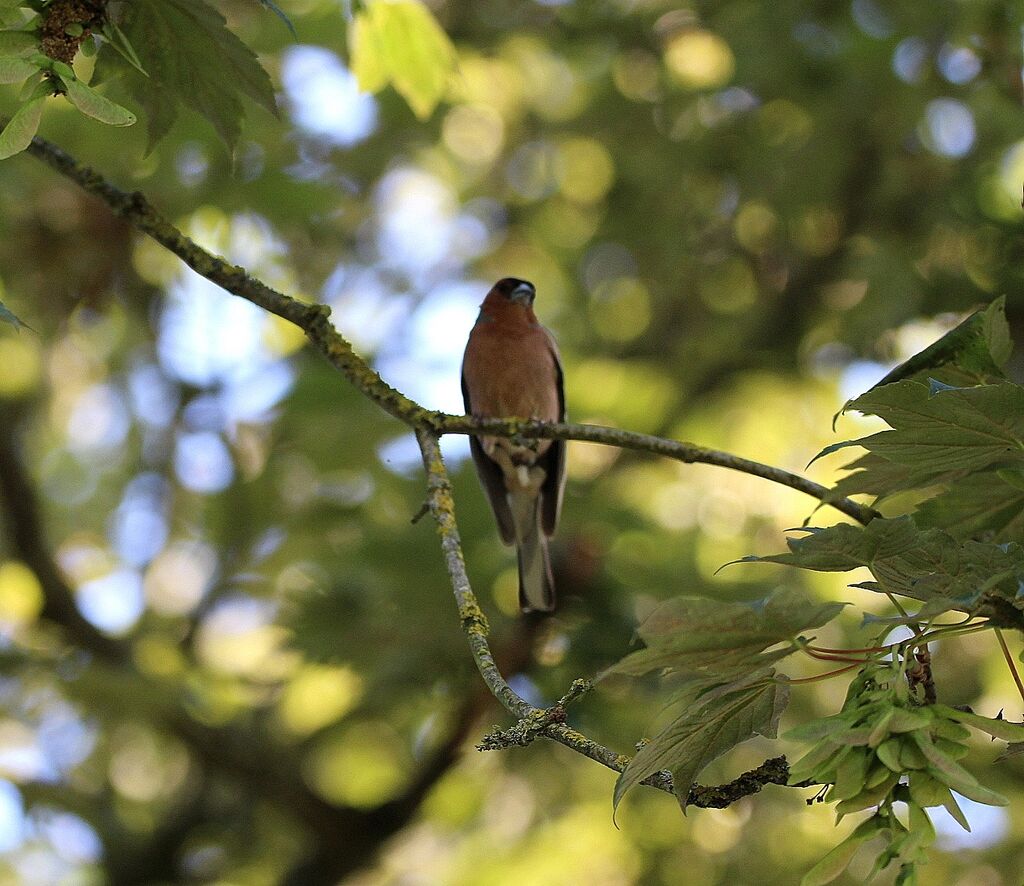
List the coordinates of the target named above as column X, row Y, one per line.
column 825, row 676
column 1010, row 662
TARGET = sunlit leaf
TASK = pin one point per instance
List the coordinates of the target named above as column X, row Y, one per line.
column 988, row 502
column 838, row 860
column 94, row 105
column 1003, row 729
column 851, row 774
column 18, row 133
column 18, row 42
column 400, row 41
column 15, row 70
column 926, row 564
column 704, row 732
column 689, row 633
column 367, row 52
column 947, row 770
column 952, row 429
column 926, row 790
column 1014, row 749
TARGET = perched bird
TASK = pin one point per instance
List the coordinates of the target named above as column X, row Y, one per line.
column 512, row 369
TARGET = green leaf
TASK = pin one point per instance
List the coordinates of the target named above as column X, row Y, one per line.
column 117, row 40
column 13, row 43
column 18, row 133
column 838, row 860
column 954, row 429
column 15, row 70
column 953, row 808
column 869, row 796
column 850, row 775
column 922, row 831
column 693, row 633
column 991, row 501
column 1014, row 749
column 845, row 546
column 192, row 59
column 1003, row 729
column 889, row 752
column 873, row 475
column 818, row 761
column 947, row 770
column 926, row 790
column 400, row 41
column 926, row 564
column 94, row 105
column 823, row 727
column 367, row 52
column 896, row 720
column 704, row 732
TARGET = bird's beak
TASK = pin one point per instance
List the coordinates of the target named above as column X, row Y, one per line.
column 523, row 293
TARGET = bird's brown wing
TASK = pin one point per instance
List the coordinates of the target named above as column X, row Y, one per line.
column 491, row 478
column 554, row 459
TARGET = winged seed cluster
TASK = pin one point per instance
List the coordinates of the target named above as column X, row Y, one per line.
column 955, row 442
column 885, row 748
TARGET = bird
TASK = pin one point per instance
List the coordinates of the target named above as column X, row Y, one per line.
column 512, row 368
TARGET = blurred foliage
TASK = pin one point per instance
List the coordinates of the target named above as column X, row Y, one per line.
column 737, row 216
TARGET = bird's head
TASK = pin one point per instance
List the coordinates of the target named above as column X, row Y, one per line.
column 516, row 290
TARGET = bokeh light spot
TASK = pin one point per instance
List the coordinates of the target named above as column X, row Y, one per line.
column 636, row 75
column 474, row 133
column 910, row 59
column 202, row 462
column 22, row 365
column 958, row 64
column 324, row 96
column 817, row 230
column 699, row 59
column 363, row 768
column 729, row 288
column 785, row 124
column 12, row 817
column 114, row 602
column 21, row 595
column 318, row 695
column 948, row 128
column 621, row 309
column 584, row 170
column 755, row 226
column 179, row 577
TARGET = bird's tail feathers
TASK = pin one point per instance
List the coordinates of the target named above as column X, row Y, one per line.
column 536, row 584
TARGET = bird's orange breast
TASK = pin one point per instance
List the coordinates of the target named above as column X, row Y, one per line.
column 511, row 371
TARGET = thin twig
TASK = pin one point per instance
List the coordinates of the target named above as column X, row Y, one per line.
column 538, row 721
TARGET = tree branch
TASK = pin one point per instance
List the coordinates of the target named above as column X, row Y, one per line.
column 20, row 507
column 689, row 453
column 314, row 321
column 535, row 721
